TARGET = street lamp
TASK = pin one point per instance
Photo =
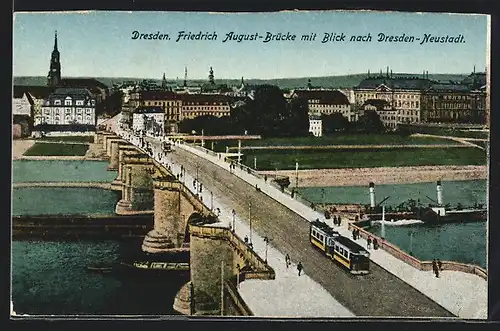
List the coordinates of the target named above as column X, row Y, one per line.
column 296, row 174
column 255, row 162
column 234, row 214
column 250, row 219
column 411, row 243
column 211, row 200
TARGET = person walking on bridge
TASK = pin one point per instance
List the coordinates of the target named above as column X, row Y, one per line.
column 435, row 268
column 287, row 260
column 300, row 267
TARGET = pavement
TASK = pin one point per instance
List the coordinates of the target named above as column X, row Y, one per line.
column 464, row 295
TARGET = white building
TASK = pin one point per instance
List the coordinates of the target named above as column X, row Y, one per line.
column 150, row 120
column 315, row 125
column 65, row 107
column 21, row 106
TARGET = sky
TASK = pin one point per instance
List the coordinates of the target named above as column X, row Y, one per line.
column 100, row 44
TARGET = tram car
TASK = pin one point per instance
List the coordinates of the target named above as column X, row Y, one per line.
column 341, row 249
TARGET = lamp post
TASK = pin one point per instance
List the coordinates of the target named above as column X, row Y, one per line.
column 222, row 288
column 250, row 219
column 211, row 200
column 234, row 215
column 411, row 243
column 296, row 174
column 255, row 162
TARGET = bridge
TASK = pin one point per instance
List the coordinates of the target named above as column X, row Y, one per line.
column 168, row 184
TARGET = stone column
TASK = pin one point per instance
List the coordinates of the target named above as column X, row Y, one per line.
column 141, row 194
column 208, row 256
column 124, row 206
column 167, row 218
column 114, row 154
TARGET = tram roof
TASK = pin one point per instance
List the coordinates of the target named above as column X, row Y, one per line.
column 325, row 228
column 351, row 245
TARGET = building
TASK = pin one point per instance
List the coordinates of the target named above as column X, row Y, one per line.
column 22, row 111
column 150, row 120
column 194, row 105
column 463, row 102
column 169, row 101
column 403, row 94
column 67, row 109
column 326, row 102
column 422, row 100
column 315, row 125
column 386, row 113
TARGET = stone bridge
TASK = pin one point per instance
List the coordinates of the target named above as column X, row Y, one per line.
column 180, row 219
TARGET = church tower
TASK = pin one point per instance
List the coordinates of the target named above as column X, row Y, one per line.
column 54, row 76
column 164, row 85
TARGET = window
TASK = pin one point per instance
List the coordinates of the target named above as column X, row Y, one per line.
column 67, row 102
column 57, row 102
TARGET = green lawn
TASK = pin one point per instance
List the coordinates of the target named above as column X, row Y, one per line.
column 80, row 139
column 365, row 158
column 53, row 149
column 337, row 139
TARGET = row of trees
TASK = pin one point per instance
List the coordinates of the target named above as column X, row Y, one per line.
column 268, row 114
column 369, row 122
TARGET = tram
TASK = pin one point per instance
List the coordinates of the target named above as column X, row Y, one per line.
column 343, row 250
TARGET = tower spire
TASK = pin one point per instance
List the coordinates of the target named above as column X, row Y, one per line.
column 54, row 76
column 55, row 41
column 185, row 76
column 164, row 83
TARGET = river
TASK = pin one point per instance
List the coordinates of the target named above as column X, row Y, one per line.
column 50, row 277
column 461, row 242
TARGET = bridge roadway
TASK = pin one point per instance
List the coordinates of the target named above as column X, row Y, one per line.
column 378, row 294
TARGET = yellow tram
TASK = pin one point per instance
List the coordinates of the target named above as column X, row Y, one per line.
column 341, row 249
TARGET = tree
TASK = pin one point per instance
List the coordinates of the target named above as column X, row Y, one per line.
column 297, row 123
column 335, row 122
column 370, row 122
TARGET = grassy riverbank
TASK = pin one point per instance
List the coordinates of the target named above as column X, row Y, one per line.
column 337, row 139
column 363, row 158
column 56, row 149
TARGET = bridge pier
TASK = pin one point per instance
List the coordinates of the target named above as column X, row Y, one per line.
column 217, row 256
column 168, row 231
column 137, row 193
column 123, row 149
column 114, row 149
column 210, row 258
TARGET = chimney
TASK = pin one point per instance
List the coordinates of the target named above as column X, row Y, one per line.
column 439, row 193
column 372, row 195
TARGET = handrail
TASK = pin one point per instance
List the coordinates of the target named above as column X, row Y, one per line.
column 237, row 299
column 416, row 263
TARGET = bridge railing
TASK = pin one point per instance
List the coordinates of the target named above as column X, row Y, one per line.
column 416, row 263
column 230, row 287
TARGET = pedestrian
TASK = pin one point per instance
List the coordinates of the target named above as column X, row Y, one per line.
column 375, row 244
column 369, row 242
column 334, row 220
column 353, row 234
column 339, row 221
column 435, row 268
column 265, row 178
column 300, row 267
column 287, row 260
column 246, row 240
column 439, row 264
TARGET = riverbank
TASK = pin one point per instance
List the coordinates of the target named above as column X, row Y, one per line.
column 382, row 175
column 19, row 147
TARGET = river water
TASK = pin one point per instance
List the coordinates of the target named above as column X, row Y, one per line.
column 461, row 242
column 50, row 277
